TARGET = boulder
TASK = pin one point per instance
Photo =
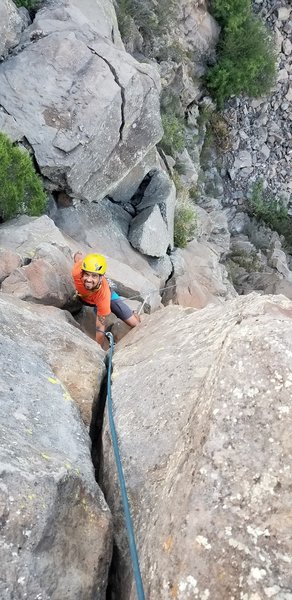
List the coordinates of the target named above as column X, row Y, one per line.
column 10, row 26
column 9, row 261
column 129, row 185
column 148, row 232
column 243, row 160
column 278, row 260
column 200, row 29
column 206, row 449
column 104, row 227
column 47, row 279
column 198, row 278
column 162, row 267
column 76, row 361
column 131, row 284
column 160, row 191
column 24, row 234
column 264, row 283
column 98, row 114
column 56, row 532
column 42, row 271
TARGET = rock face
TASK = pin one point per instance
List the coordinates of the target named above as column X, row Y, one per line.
column 198, row 278
column 151, row 231
column 10, row 26
column 206, row 449
column 53, row 335
column 98, row 112
column 56, row 532
column 42, row 261
column 46, row 257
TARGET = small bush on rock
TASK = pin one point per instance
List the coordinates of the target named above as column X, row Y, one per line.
column 29, row 4
column 272, row 211
column 21, row 191
column 174, row 134
column 246, row 60
column 185, row 216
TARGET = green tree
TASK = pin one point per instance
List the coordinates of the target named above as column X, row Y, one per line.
column 21, row 190
column 246, row 60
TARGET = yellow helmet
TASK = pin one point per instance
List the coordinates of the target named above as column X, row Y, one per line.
column 94, row 263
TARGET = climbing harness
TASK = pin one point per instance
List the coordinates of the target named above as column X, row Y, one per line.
column 124, row 495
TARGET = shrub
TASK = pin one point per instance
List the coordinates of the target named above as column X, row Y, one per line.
column 185, row 223
column 21, row 190
column 246, row 61
column 230, row 10
column 29, row 4
column 151, row 19
column 185, row 216
column 174, row 134
column 272, row 211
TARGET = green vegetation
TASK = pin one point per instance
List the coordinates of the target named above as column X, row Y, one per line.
column 29, row 4
column 272, row 211
column 246, row 61
column 185, row 216
column 249, row 262
column 174, row 133
column 151, row 19
column 21, row 191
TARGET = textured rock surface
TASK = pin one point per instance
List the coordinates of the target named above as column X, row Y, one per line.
column 98, row 113
column 10, row 26
column 56, row 534
column 9, row 261
column 148, row 232
column 206, row 448
column 74, row 359
column 43, row 272
column 160, row 191
column 104, row 227
column 198, row 278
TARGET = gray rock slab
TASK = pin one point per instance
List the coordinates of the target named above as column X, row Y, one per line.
column 132, row 284
column 129, row 185
column 52, row 512
column 98, row 111
column 198, row 278
column 148, row 232
column 44, row 272
column 161, row 266
column 206, row 449
column 161, row 191
column 10, row 26
column 76, row 361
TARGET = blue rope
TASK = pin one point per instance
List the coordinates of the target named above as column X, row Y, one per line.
column 124, row 495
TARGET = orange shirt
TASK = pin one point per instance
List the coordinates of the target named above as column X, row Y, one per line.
column 101, row 298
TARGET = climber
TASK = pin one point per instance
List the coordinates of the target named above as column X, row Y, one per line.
column 93, row 288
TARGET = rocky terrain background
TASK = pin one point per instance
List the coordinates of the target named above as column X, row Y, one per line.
column 87, row 104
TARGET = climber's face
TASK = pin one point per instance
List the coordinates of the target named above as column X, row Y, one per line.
column 91, row 281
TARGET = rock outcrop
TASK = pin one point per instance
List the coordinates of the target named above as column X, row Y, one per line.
column 206, row 450
column 56, row 530
column 76, row 361
column 10, row 27
column 90, row 112
column 38, row 258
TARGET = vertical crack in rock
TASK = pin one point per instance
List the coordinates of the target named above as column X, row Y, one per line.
column 95, row 432
column 123, row 96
